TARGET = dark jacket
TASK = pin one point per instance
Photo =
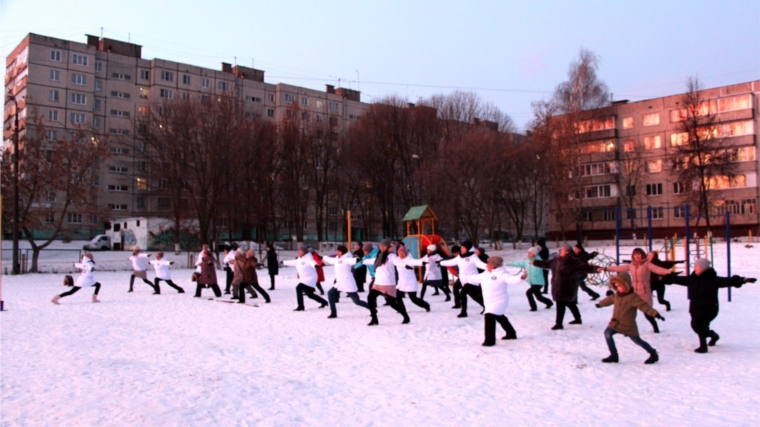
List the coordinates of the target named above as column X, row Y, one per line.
column 703, row 288
column 565, row 272
column 272, row 264
column 360, row 273
column 655, row 280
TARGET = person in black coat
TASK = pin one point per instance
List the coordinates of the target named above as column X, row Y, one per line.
column 703, row 286
column 657, row 285
column 273, row 265
column 481, row 254
column 544, row 254
column 584, row 256
column 565, row 269
column 360, row 270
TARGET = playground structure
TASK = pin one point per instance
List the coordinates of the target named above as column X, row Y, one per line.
column 418, row 220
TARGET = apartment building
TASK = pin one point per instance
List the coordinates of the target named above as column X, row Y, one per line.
column 652, row 130
column 106, row 83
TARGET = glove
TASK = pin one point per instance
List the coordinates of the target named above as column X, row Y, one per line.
column 750, row 280
column 593, row 254
column 171, row 262
column 659, row 317
column 678, row 262
column 598, row 306
column 409, row 268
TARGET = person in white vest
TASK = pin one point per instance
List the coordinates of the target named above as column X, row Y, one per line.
column 344, row 279
column 306, row 267
column 85, row 279
column 163, row 273
column 434, row 273
column 384, row 283
column 229, row 266
column 407, row 279
column 494, row 282
column 140, row 269
column 468, row 264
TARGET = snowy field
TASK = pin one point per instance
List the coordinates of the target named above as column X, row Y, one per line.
column 173, row 360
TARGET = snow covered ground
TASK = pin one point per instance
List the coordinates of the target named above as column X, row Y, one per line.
column 173, row 360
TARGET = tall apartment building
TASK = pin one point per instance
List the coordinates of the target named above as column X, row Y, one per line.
column 653, row 127
column 107, row 83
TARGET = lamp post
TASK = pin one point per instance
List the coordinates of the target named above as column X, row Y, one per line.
column 14, row 229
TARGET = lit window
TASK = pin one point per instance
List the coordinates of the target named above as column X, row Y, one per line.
column 628, row 123
column 653, row 166
column 142, row 183
column 652, row 142
column 651, row 119
column 678, row 139
column 143, row 93
column 629, row 145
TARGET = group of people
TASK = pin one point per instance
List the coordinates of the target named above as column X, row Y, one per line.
column 392, row 276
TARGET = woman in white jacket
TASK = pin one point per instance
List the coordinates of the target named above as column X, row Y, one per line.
column 434, row 273
column 344, row 279
column 407, row 280
column 494, row 283
column 86, row 279
column 307, row 273
column 385, row 282
column 163, row 273
column 468, row 264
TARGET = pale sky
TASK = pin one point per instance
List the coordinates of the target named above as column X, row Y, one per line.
column 509, row 52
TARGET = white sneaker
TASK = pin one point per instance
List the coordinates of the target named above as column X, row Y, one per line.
column 55, row 300
column 95, row 298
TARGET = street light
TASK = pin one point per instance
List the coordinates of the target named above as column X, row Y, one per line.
column 14, row 229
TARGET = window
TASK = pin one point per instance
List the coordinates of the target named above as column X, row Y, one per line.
column 333, row 106
column 77, row 118
column 96, row 105
column 116, row 94
column 144, row 75
column 78, row 98
column 723, row 181
column 53, row 115
column 305, row 117
column 630, row 191
column 270, row 112
column 595, row 125
column 143, row 93
column 304, row 101
column 630, row 214
column 703, row 109
column 749, row 206
column 166, row 93
column 654, row 189
column 96, row 122
column 651, row 119
column 142, row 110
column 98, row 67
column 333, row 121
column 653, row 166
column 185, row 96
column 658, row 213
column 140, row 202
column 679, row 211
column 628, row 123
column 55, row 75
column 120, row 113
column 53, row 95
column 289, row 97
column 115, row 207
column 118, row 169
column 652, row 142
column 120, row 188
column 98, row 85
column 163, row 203
column 79, row 60
column 142, row 166
column 95, row 179
column 79, row 79
column 679, row 188
column 167, row 76
column 270, row 97
column 735, row 103
column 743, row 154
column 50, row 217
column 223, row 85
column 119, row 76
column 353, row 117
column 142, row 183
column 185, row 79
column 52, row 135
column 628, row 145
column 163, row 183
column 737, row 129
column 608, row 215
column 605, row 146
column 587, row 216
column 55, row 55
column 252, row 99
column 597, row 191
column 73, row 218
column 205, row 83
column 593, row 169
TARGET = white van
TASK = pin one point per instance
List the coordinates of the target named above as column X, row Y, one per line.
column 101, row 242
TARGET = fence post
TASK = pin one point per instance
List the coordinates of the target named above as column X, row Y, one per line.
column 728, row 249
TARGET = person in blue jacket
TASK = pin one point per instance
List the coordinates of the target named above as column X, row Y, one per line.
column 535, row 277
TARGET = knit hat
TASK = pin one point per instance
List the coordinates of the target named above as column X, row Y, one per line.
column 621, row 279
column 432, row 247
column 496, row 261
column 702, row 263
column 386, row 242
column 534, row 250
column 567, row 247
column 467, row 244
column 303, row 248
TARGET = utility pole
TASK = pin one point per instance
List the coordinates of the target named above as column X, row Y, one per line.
column 15, row 268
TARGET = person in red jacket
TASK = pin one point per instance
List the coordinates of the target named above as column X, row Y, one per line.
column 320, row 271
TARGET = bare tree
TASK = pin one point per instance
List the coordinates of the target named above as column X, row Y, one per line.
column 630, row 169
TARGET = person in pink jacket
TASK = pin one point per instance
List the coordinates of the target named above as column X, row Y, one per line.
column 641, row 269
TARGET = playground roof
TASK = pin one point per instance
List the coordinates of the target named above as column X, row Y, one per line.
column 419, row 212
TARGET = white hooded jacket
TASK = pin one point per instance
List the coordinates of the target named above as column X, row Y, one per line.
column 87, row 278
column 344, row 276
column 306, row 268
column 494, row 285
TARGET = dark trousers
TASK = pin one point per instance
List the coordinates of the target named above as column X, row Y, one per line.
column 457, row 294
column 535, row 291
column 546, row 281
column 250, row 288
column 659, row 289
column 475, row 292
column 412, row 296
column 321, row 289
column 302, row 289
column 490, row 328
column 608, row 333
column 199, row 288
column 360, row 276
column 700, row 323
column 436, row 284
column 132, row 283
column 271, row 281
column 230, row 274
column 652, row 322
column 168, row 282
column 76, row 289
column 573, row 306
column 372, row 302
column 586, row 289
column 332, row 296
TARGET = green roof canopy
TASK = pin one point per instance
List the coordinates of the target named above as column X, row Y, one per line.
column 419, row 212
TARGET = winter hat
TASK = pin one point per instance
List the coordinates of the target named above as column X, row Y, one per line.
column 467, row 244
column 702, row 263
column 250, row 253
column 303, row 248
column 579, row 246
column 455, row 249
column 432, row 247
column 534, row 250
column 495, row 261
column 566, row 247
column 621, row 279
column 386, row 242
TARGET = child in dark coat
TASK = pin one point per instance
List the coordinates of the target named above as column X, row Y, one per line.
column 624, row 317
column 703, row 286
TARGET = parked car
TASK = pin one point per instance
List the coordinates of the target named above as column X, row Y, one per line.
column 101, row 242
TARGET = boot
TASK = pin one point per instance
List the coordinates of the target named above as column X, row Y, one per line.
column 550, row 305
column 56, row 299
column 95, row 298
column 332, row 316
column 702, row 345
column 462, row 314
column 406, row 320
column 612, row 358
column 653, row 358
column 713, row 339
column 557, row 327
column 576, row 322
column 488, row 344
column 667, row 305
column 373, row 322
column 509, row 337
column 700, row 350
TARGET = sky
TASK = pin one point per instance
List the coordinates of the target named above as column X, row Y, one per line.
column 511, row 53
